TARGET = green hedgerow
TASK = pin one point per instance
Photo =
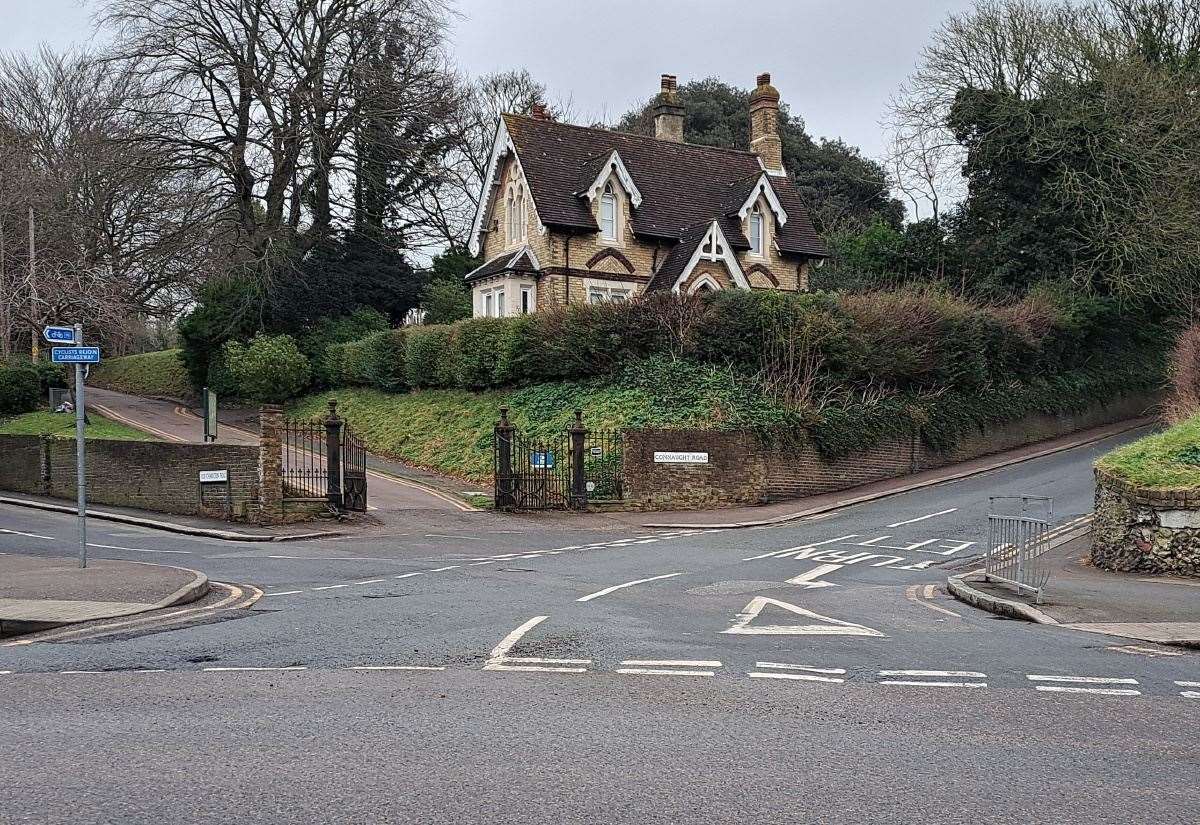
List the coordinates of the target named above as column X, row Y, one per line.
column 271, row 368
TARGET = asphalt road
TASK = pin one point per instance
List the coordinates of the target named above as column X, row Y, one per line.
column 474, row 668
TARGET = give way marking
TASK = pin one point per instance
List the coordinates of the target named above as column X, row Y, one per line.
column 827, row 626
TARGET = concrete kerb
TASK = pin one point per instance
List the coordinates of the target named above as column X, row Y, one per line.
column 168, row 526
column 904, row 488
column 961, row 590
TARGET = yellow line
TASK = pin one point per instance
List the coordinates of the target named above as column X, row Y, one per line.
column 146, row 428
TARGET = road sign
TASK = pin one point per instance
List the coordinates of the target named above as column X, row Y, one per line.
column 212, row 476
column 75, row 355
column 64, row 335
column 542, row 460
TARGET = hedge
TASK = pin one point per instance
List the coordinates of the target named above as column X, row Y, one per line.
column 20, row 387
column 907, row 341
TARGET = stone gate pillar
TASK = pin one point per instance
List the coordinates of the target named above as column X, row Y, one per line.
column 270, row 462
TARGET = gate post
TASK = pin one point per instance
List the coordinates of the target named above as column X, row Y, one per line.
column 578, row 434
column 502, row 438
column 270, row 463
column 333, row 457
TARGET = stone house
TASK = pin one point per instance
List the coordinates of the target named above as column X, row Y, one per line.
column 571, row 213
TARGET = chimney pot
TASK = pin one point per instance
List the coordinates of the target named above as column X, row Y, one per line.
column 668, row 112
column 764, row 79
column 540, row 112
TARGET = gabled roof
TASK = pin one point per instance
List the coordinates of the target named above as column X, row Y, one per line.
column 523, row 260
column 681, row 184
column 595, row 174
column 694, row 243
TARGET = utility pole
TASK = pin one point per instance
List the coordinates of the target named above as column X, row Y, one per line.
column 80, row 475
column 33, row 313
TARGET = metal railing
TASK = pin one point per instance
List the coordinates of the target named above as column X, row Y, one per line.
column 1016, row 541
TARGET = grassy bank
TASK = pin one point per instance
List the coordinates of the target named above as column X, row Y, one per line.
column 150, row 373
column 62, row 425
column 1169, row 460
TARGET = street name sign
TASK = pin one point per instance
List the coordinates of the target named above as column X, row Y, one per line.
column 75, row 355
column 64, row 335
column 212, row 476
column 661, row 457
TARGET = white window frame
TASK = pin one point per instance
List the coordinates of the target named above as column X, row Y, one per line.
column 758, row 239
column 528, row 300
column 488, row 303
column 609, row 200
column 607, row 292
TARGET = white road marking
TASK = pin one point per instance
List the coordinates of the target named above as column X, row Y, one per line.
column 1145, row 651
column 370, row 581
column 781, row 666
column 617, row 587
column 922, row 518
column 809, row 580
column 251, row 669
column 5, row 672
column 932, row 684
column 535, row 660
column 27, row 535
column 910, row 593
column 409, row 575
column 1190, row 694
column 637, row 671
column 961, row 674
column 284, row 593
column 1090, row 680
column 535, row 668
column 1188, row 684
column 330, row 587
column 795, row 677
column 671, row 663
column 79, row 672
column 499, row 659
column 395, row 667
column 832, row 627
column 444, row 569
column 449, row 536
column 809, row 546
column 1099, row 691
column 506, row 644
column 138, row 549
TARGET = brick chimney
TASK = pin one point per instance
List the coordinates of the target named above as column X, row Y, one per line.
column 668, row 111
column 540, row 112
column 764, row 124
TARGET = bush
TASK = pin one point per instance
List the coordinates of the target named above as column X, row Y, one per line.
column 268, row 369
column 330, row 332
column 20, row 387
column 159, row 373
column 425, row 352
column 479, row 344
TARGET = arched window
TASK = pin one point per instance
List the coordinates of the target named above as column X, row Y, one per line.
column 608, row 214
column 756, row 232
column 522, row 221
column 510, row 216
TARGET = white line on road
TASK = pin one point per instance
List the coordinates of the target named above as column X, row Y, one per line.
column 808, row 546
column 932, row 684
column 370, row 581
column 922, row 518
column 1091, row 680
column 251, row 669
column 781, row 666
column 617, row 587
column 138, row 549
column 499, row 659
column 409, row 575
column 1189, row 684
column 330, row 587
column 283, row 593
column 1190, row 694
column 27, row 535
column 638, row 671
column 1099, row 691
column 809, row 579
column 961, row 674
column 796, row 677
column 671, row 663
column 539, row 660
column 395, row 667
column 444, row 569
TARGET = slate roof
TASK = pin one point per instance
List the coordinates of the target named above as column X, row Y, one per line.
column 675, row 261
column 682, row 184
column 519, row 261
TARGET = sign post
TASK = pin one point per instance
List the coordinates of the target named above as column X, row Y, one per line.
column 209, row 403
column 77, row 355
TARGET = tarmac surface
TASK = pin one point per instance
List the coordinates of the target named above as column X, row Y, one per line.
column 473, row 667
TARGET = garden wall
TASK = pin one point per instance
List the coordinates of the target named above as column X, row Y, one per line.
column 740, row 470
column 1145, row 531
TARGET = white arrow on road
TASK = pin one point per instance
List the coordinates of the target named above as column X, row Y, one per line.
column 809, row 580
column 824, row 626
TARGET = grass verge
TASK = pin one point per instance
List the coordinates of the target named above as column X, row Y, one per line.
column 150, row 373
column 62, row 425
column 1169, row 460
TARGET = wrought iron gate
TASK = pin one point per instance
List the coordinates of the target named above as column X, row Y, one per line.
column 1016, row 542
column 323, row 458
column 565, row 470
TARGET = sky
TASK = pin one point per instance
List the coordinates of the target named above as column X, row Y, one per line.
column 835, row 62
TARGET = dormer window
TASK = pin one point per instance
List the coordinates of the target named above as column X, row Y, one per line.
column 608, row 214
column 756, row 232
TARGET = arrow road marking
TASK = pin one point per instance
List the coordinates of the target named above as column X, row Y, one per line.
column 830, row 627
column 809, row 580
column 500, row 660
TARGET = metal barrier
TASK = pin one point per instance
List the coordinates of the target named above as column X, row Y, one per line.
column 1015, row 543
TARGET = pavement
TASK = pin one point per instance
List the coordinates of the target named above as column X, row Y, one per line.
column 1160, row 609
column 457, row 667
column 37, row 593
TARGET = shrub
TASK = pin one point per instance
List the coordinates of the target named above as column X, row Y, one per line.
column 479, row 344
column 424, row 354
column 268, row 369
column 20, row 387
column 329, row 332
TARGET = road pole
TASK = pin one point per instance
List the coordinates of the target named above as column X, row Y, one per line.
column 80, row 475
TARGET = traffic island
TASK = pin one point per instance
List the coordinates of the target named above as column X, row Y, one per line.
column 1080, row 596
column 38, row 593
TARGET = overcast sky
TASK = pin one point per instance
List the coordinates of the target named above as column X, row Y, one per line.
column 835, row 62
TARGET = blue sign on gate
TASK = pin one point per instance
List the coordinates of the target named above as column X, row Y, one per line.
column 75, row 355
column 542, row 460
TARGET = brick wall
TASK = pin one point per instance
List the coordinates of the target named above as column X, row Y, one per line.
column 742, row 471
column 148, row 475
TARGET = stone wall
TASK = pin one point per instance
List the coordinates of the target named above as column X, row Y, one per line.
column 1145, row 531
column 742, row 471
column 164, row 477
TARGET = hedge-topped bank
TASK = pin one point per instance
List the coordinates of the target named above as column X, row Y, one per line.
column 150, row 373
column 884, row 342
column 1169, row 460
